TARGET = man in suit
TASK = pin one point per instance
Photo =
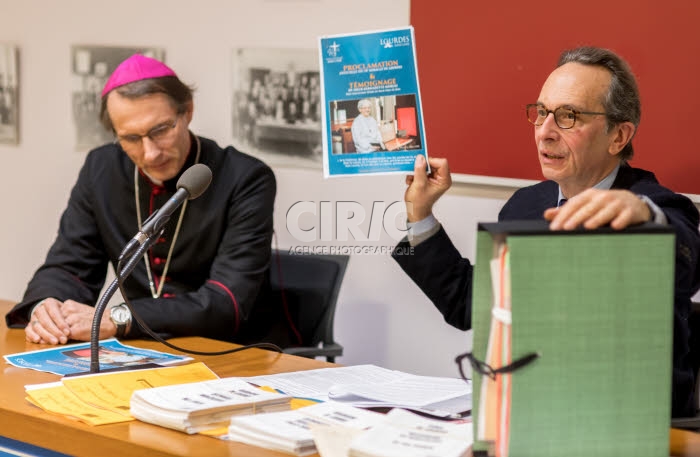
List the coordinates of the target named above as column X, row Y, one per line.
column 584, row 120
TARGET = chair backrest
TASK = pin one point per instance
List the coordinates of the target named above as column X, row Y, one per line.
column 694, row 325
column 693, row 422
column 308, row 286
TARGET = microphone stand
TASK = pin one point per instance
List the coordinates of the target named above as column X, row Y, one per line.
column 109, row 292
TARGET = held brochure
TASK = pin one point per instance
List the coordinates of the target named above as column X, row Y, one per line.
column 372, row 117
column 75, row 358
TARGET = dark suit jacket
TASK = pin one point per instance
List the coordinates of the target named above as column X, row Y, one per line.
column 446, row 278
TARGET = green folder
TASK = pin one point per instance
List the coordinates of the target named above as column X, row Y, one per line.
column 598, row 307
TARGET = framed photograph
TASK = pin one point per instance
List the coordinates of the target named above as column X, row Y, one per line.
column 276, row 110
column 9, row 94
column 92, row 66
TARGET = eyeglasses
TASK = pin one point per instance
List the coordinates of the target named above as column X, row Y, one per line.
column 564, row 116
column 160, row 134
column 487, row 370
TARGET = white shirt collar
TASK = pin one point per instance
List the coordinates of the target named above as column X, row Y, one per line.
column 605, row 184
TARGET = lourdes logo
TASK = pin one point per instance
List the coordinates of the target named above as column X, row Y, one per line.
column 395, row 41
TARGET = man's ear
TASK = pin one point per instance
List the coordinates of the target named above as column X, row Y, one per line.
column 621, row 135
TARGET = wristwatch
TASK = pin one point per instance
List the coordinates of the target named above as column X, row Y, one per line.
column 121, row 318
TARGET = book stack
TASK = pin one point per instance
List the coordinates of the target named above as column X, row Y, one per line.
column 199, row 406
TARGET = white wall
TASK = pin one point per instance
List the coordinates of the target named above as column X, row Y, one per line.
column 382, row 317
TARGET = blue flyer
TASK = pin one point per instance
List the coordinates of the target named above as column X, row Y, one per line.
column 75, row 358
column 372, row 117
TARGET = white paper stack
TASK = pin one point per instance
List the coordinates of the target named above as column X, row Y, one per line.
column 203, row 405
column 405, row 434
column 290, row 431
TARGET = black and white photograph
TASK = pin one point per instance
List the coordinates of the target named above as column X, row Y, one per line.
column 92, row 66
column 9, row 91
column 276, row 112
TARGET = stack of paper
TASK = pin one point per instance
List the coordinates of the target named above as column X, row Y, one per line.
column 443, row 397
column 373, row 386
column 104, row 398
column 404, row 434
column 290, row 431
column 203, row 405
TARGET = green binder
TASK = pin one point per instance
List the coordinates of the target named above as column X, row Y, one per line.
column 598, row 307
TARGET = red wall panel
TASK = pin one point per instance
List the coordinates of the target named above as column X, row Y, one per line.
column 479, row 63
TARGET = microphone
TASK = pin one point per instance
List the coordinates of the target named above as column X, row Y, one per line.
column 193, row 182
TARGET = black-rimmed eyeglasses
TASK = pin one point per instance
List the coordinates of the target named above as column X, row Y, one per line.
column 159, row 135
column 564, row 116
column 487, row 370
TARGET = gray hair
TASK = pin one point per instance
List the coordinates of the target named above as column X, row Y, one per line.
column 621, row 103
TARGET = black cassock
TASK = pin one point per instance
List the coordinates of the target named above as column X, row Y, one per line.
column 218, row 277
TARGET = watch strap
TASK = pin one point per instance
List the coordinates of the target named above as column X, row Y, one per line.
column 121, row 330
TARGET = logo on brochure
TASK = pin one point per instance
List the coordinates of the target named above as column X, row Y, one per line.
column 333, row 51
column 387, row 43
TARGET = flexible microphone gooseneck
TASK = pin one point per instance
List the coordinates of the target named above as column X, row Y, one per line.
column 102, row 304
column 193, row 182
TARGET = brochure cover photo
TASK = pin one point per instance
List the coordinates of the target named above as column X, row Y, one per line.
column 372, row 117
column 75, row 358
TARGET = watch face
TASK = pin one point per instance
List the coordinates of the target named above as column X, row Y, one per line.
column 120, row 314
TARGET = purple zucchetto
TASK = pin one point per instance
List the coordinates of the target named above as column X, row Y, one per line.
column 136, row 68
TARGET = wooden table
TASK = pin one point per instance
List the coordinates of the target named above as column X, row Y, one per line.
column 23, row 422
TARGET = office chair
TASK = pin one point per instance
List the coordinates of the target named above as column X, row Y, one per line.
column 308, row 285
column 693, row 423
